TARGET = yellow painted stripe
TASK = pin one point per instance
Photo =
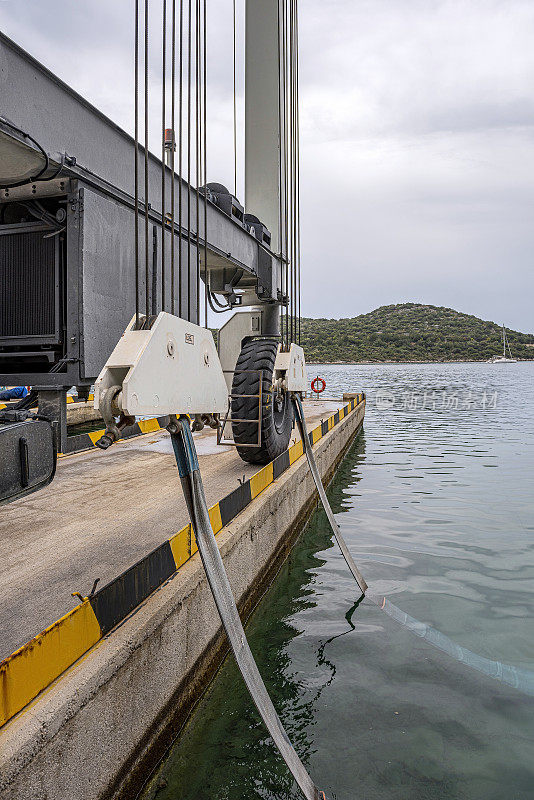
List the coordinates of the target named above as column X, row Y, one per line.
column 145, row 425
column 95, row 435
column 70, row 399
column 316, row 434
column 215, row 518
column 183, row 544
column 295, row 451
column 39, row 662
column 180, row 546
column 261, row 480
column 149, row 425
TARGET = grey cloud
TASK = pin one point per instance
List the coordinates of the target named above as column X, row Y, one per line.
column 417, row 147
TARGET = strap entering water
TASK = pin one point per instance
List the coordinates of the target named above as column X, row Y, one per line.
column 299, row 414
column 521, row 679
column 186, row 459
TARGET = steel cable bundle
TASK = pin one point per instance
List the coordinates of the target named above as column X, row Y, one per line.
column 188, row 90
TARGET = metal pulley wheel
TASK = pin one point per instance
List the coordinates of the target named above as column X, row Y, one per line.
column 262, row 415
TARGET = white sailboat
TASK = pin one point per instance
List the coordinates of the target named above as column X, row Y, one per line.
column 503, row 359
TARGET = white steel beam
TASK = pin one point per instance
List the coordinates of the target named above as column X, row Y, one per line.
column 263, row 128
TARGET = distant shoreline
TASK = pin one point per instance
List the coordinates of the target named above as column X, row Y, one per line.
column 410, row 333
column 380, row 363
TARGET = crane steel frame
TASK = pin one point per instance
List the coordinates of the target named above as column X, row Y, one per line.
column 90, row 171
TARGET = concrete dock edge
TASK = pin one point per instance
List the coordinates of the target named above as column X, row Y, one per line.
column 108, row 719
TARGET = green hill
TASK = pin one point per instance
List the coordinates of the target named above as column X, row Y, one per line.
column 409, row 332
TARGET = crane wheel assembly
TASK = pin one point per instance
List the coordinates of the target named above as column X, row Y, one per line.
column 262, row 412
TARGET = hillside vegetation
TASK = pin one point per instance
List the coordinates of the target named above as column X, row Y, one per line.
column 409, row 332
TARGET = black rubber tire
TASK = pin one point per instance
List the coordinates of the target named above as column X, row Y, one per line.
column 277, row 413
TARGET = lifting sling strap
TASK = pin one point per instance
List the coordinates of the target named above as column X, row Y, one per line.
column 188, row 468
column 299, row 414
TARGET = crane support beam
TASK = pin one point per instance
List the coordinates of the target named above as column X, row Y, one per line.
column 264, row 124
column 86, row 261
column 100, row 152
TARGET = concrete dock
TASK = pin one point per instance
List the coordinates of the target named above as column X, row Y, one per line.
column 104, row 510
column 113, row 710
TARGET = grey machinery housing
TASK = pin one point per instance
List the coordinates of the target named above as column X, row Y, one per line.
column 66, row 233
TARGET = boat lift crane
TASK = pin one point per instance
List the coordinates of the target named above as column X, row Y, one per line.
column 68, row 206
column 107, row 249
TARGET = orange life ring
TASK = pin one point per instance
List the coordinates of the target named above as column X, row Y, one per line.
column 318, row 385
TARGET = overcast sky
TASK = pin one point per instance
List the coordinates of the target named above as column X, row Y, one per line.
column 417, row 139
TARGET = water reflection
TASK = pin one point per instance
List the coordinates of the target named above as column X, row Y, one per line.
column 226, row 735
column 321, row 658
column 437, row 508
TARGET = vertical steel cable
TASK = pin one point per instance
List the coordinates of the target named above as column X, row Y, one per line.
column 295, row 172
column 297, row 114
column 235, row 101
column 189, row 59
column 294, row 77
column 197, row 152
column 136, row 162
column 292, row 68
column 154, row 289
column 280, row 172
column 173, row 148
column 163, row 99
column 146, row 163
column 290, row 170
column 205, row 181
column 180, row 160
column 291, row 167
column 286, row 164
column 291, row 173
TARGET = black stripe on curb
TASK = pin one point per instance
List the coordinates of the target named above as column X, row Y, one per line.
column 121, row 596
column 77, row 442
column 117, row 599
column 235, row 502
column 82, row 441
column 280, row 464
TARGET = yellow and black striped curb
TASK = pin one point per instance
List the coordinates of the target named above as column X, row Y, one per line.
column 77, row 442
column 35, row 665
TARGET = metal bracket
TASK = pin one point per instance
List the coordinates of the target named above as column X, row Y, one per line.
column 170, row 368
column 290, row 370
column 220, row 430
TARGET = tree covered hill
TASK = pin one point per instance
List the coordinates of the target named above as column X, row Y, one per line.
column 409, row 332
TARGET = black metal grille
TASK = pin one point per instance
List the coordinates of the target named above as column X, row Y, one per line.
column 28, row 285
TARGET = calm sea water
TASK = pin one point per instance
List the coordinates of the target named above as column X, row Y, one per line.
column 436, row 501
